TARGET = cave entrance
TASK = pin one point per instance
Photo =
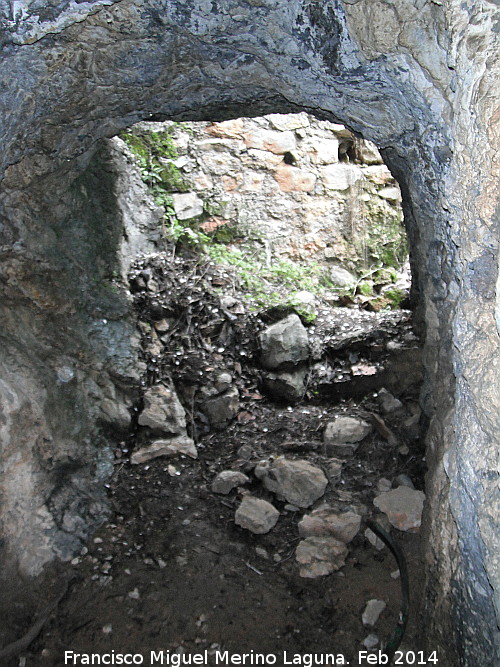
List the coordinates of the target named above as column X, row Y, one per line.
column 213, row 544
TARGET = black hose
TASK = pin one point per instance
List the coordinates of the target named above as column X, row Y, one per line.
column 398, row 632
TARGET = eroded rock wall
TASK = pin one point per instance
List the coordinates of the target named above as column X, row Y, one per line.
column 68, row 354
column 417, row 77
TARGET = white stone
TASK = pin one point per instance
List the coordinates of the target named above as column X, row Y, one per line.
column 344, row 526
column 327, row 151
column 340, row 176
column 370, row 641
column 372, row 611
column 187, row 205
column 171, row 447
column 320, row 556
column 256, row 515
column 299, row 482
column 288, row 121
column 270, row 140
column 374, row 540
column 391, row 194
column 341, row 277
column 346, row 430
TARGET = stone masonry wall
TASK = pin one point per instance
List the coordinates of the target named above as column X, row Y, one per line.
column 306, row 189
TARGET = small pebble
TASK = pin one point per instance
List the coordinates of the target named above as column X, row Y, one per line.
column 134, row 595
column 371, row 641
column 107, row 629
column 372, row 611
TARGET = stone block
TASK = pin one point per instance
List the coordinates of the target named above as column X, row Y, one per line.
column 293, row 179
column 340, row 176
column 187, row 205
column 320, row 556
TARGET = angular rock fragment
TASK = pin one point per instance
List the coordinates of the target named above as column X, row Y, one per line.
column 187, row 205
column 163, row 411
column 285, row 385
column 341, row 277
column 372, row 611
column 284, row 343
column 342, row 435
column 344, row 526
column 299, row 482
column 320, row 556
column 403, row 480
column 389, row 404
column 171, row 447
column 403, row 507
column 227, row 480
column 222, row 408
column 256, row 515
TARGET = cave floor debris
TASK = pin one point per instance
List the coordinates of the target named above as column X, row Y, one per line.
column 170, row 570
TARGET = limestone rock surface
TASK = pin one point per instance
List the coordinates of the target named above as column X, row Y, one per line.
column 256, row 515
column 320, row 556
column 403, row 507
column 299, row 482
column 163, row 411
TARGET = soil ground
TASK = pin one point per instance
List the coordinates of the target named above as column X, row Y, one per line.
column 170, row 570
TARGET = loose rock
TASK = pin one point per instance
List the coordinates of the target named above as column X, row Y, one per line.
column 403, row 480
column 372, row 611
column 341, row 277
column 222, row 408
column 343, row 435
column 344, row 526
column 389, row 404
column 171, row 447
column 163, row 411
column 286, row 385
column 299, row 482
column 403, row 507
column 227, row 480
column 284, row 343
column 256, row 515
column 320, row 556
column 370, row 641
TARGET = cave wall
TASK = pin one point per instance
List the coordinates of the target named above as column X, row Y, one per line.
column 417, row 77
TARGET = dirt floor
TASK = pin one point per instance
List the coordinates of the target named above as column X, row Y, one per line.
column 170, row 570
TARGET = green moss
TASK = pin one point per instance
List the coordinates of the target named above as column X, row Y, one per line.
column 155, row 153
column 395, row 297
column 365, row 288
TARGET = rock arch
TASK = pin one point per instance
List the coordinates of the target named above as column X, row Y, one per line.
column 417, row 77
